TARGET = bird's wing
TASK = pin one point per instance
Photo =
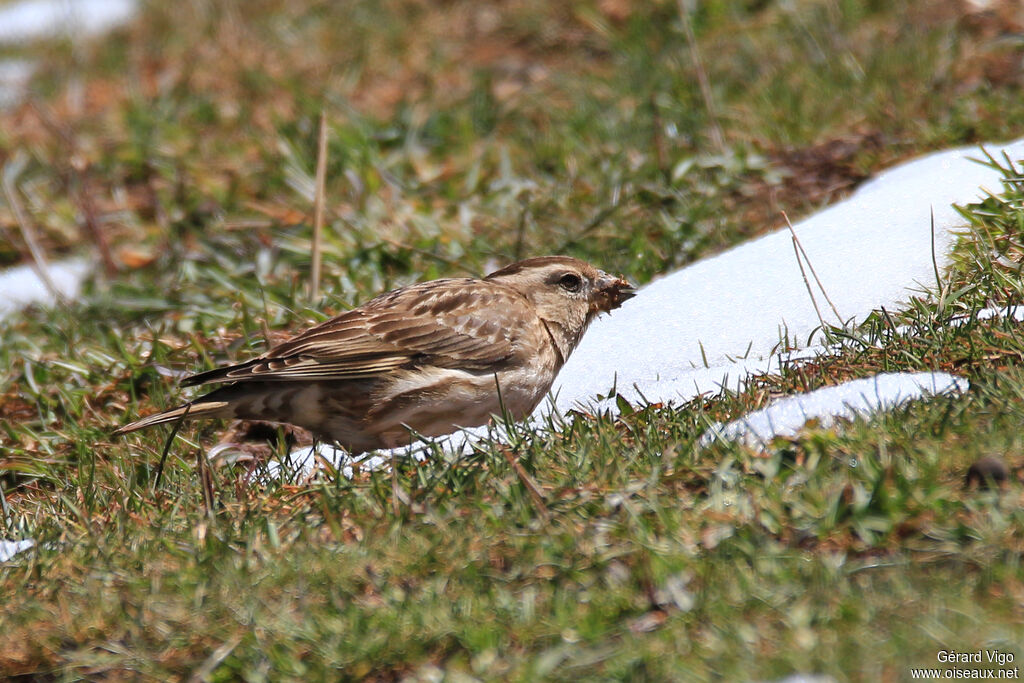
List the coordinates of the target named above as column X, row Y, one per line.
column 468, row 324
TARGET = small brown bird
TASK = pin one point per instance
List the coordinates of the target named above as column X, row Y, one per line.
column 425, row 359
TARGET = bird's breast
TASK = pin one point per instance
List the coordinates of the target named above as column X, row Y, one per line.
column 433, row 401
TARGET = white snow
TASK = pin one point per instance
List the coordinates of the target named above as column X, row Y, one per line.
column 1016, row 314
column 26, row 21
column 21, row 286
column 9, row 549
column 855, row 398
column 304, row 460
column 871, row 250
column 29, row 20
column 14, row 77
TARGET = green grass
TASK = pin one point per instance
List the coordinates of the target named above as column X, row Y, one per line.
column 458, row 140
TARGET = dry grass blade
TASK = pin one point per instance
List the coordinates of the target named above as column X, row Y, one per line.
column 206, row 481
column 797, row 246
column 38, row 260
column 807, row 284
column 90, row 216
column 318, row 208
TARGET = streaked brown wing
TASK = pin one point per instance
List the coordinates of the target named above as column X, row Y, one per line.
column 468, row 324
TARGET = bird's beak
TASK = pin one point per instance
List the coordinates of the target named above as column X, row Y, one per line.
column 610, row 293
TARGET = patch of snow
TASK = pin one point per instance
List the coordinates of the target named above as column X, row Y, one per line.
column 990, row 313
column 855, row 398
column 304, row 461
column 26, row 21
column 871, row 250
column 9, row 549
column 14, row 77
column 21, row 286
column 29, row 20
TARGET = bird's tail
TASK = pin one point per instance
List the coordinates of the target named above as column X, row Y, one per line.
column 194, row 409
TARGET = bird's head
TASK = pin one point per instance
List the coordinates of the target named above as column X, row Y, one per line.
column 566, row 292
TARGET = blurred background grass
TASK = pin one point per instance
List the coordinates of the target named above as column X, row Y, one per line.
column 474, row 133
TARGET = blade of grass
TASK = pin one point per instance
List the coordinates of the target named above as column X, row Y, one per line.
column 318, row 208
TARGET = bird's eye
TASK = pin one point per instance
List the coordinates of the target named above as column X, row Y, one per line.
column 571, row 282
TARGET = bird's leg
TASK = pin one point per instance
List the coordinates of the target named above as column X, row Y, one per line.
column 315, row 456
column 205, row 482
column 395, row 508
column 167, row 444
column 397, row 494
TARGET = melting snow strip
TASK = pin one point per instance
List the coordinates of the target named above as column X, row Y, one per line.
column 856, row 398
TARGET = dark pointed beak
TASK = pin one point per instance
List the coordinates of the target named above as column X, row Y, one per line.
column 611, row 292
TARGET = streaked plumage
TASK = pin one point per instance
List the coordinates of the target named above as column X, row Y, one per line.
column 430, row 357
